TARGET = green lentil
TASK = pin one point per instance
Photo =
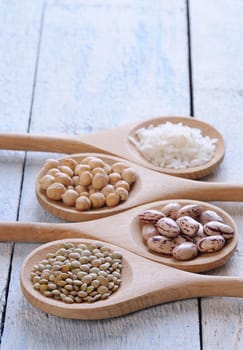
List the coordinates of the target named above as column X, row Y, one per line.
column 78, row 300
column 82, row 294
column 82, row 246
column 50, row 255
column 52, row 286
column 64, row 291
column 84, row 267
column 74, row 293
column 43, row 287
column 96, row 262
column 93, row 275
column 105, row 295
column 87, row 279
column 116, row 274
column 90, row 289
column 61, row 251
column 36, row 279
column 76, row 274
column 84, row 259
column 44, row 261
column 102, row 273
column 74, row 255
column 75, row 271
column 55, row 292
column 77, row 283
column 86, row 252
column 61, row 283
column 81, row 274
column 37, row 286
column 60, row 258
column 84, row 286
column 94, row 270
column 68, row 300
column 43, row 281
column 102, row 290
column 95, row 283
column 75, row 264
column 97, row 297
column 41, row 267
column 69, row 280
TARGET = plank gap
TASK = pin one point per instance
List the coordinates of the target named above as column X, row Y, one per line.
column 6, row 293
column 36, row 65
column 200, row 323
column 188, row 21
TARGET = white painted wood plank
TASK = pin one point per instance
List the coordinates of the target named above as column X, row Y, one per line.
column 126, row 64
column 103, row 64
column 217, row 29
column 19, row 30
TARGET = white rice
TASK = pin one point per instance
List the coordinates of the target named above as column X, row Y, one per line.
column 174, row 146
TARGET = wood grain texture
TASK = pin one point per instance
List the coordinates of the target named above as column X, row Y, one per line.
column 216, row 29
column 103, row 64
column 19, row 27
column 128, row 64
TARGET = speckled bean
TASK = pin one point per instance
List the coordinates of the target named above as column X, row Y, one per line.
column 218, row 228
column 150, row 216
column 209, row 215
column 211, row 244
column 192, row 210
column 170, row 210
column 200, row 234
column 167, row 227
column 180, row 239
column 161, row 244
column 185, row 251
column 149, row 230
column 188, row 225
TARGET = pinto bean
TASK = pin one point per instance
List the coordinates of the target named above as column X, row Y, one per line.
column 211, row 244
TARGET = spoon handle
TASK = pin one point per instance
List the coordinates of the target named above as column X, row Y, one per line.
column 173, row 284
column 206, row 285
column 37, row 232
column 58, row 144
column 207, row 191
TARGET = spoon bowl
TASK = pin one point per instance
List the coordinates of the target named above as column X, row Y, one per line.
column 117, row 142
column 123, row 230
column 194, row 172
column 150, row 186
column 157, row 284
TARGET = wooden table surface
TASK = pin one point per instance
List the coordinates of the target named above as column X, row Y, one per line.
column 79, row 66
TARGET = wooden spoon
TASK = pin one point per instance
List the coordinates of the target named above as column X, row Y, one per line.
column 150, row 186
column 123, row 230
column 116, row 142
column 144, row 284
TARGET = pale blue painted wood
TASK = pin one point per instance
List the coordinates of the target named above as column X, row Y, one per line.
column 102, row 64
column 217, row 55
column 19, row 32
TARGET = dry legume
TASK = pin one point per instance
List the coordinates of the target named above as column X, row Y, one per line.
column 90, row 184
column 170, row 230
column 63, row 276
